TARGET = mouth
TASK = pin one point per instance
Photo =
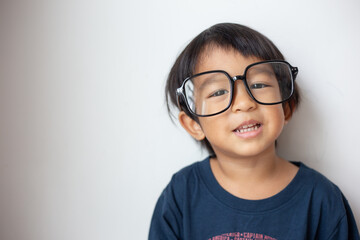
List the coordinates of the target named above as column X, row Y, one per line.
column 248, row 129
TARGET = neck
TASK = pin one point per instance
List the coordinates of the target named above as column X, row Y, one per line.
column 247, row 169
column 255, row 177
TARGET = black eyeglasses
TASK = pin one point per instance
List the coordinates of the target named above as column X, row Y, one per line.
column 209, row 93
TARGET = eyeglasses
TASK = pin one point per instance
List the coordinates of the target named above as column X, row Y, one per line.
column 209, row 93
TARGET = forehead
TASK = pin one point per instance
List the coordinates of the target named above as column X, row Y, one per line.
column 227, row 59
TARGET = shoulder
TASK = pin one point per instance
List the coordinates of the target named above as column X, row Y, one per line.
column 320, row 184
column 322, row 191
column 329, row 206
column 327, row 203
column 186, row 178
column 177, row 192
column 187, row 173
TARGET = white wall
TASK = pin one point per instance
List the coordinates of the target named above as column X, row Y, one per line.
column 86, row 145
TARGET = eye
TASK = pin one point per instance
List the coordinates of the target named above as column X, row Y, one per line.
column 259, row 85
column 218, row 93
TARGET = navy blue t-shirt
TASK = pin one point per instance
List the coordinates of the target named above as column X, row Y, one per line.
column 194, row 206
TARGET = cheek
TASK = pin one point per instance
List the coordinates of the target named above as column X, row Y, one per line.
column 275, row 117
column 212, row 126
column 207, row 127
column 278, row 120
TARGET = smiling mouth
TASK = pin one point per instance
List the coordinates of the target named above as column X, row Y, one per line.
column 248, row 128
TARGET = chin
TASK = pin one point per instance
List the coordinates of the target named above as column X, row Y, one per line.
column 251, row 151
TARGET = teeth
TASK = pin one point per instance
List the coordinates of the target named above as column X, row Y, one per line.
column 248, row 128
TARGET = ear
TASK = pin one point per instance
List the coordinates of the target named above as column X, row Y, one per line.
column 191, row 126
column 288, row 111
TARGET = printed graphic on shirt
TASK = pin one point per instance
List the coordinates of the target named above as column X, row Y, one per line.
column 242, row 236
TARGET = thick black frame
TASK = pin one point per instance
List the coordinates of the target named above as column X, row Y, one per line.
column 180, row 91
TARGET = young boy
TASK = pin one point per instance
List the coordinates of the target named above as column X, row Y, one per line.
column 235, row 93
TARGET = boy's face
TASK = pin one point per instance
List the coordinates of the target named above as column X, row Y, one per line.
column 246, row 129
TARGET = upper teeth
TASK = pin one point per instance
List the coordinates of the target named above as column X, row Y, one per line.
column 247, row 128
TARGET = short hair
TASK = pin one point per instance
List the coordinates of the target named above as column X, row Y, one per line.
column 245, row 40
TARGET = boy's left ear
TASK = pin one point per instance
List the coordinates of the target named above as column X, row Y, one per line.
column 288, row 111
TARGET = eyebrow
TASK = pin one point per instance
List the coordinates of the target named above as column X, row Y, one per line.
column 207, row 80
column 262, row 69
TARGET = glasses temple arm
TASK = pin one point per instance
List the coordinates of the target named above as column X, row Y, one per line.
column 294, row 71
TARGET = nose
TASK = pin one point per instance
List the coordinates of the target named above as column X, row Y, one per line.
column 242, row 101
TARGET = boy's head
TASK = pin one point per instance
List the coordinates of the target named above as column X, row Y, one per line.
column 228, row 36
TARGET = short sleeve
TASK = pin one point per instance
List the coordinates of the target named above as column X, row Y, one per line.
column 166, row 220
column 346, row 228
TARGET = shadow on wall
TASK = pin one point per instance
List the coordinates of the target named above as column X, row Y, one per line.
column 307, row 138
column 304, row 137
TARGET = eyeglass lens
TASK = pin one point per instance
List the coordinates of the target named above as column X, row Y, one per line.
column 210, row 93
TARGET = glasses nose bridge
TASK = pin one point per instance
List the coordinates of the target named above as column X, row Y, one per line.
column 242, row 78
column 238, row 77
column 241, row 98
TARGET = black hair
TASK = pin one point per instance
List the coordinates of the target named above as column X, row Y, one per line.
column 227, row 36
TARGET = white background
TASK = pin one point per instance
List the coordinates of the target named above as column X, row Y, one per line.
column 86, row 145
